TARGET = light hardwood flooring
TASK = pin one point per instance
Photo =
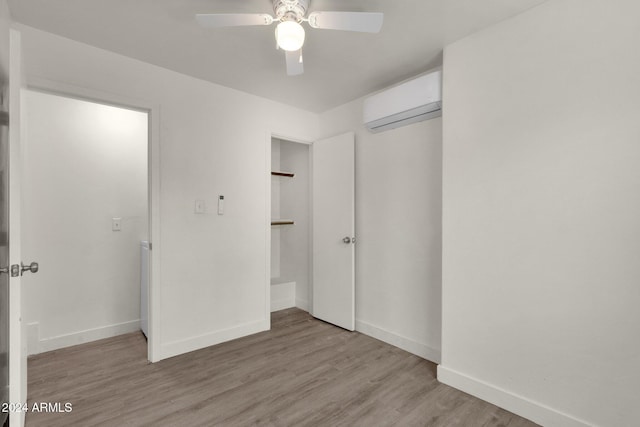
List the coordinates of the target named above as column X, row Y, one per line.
column 303, row 372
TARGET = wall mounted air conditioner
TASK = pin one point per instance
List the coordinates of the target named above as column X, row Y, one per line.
column 410, row 102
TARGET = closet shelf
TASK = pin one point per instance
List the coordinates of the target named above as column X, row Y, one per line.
column 282, row 173
column 282, row 222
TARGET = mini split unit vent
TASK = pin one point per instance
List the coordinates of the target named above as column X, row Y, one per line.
column 410, row 102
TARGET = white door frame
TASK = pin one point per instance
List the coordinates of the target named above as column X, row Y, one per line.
column 269, row 136
column 17, row 342
column 153, row 182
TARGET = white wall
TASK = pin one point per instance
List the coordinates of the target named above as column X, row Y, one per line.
column 83, row 164
column 212, row 142
column 398, row 229
column 541, row 214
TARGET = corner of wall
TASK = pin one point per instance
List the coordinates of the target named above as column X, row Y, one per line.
column 406, row 344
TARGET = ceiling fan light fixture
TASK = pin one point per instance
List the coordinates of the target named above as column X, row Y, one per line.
column 290, row 35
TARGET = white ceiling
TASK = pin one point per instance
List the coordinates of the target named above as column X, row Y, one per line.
column 339, row 66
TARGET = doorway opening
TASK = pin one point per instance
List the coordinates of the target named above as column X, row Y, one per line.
column 85, row 216
column 290, row 225
column 312, row 238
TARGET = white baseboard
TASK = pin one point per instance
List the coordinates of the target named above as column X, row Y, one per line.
column 195, row 343
column 399, row 341
column 282, row 304
column 80, row 337
column 32, row 331
column 519, row 405
column 302, row 304
column 283, row 295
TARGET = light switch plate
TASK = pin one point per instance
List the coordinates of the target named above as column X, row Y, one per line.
column 199, row 207
column 116, row 224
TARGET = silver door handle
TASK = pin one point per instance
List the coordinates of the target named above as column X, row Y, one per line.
column 346, row 240
column 33, row 267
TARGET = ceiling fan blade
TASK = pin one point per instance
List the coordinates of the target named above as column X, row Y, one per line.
column 216, row 20
column 294, row 62
column 366, row 22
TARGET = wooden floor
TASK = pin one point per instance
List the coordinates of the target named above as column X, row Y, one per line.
column 303, row 372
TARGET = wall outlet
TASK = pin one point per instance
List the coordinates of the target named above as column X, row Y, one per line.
column 199, row 207
column 116, row 224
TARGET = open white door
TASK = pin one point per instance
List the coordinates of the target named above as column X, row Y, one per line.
column 334, row 230
column 17, row 345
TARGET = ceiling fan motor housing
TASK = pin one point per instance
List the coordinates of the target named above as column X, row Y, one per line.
column 286, row 10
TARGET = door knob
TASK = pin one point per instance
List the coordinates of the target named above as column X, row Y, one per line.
column 346, row 240
column 33, row 267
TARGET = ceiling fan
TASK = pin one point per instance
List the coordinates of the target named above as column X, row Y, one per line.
column 289, row 32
